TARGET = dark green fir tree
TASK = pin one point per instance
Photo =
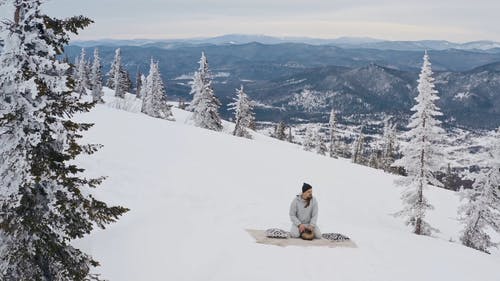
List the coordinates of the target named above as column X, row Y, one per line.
column 45, row 201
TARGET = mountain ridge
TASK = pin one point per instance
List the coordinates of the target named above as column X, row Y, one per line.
column 273, row 74
column 344, row 41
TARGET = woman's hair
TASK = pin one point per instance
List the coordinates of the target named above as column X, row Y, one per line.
column 308, row 200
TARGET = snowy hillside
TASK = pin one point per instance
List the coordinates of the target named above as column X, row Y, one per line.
column 193, row 192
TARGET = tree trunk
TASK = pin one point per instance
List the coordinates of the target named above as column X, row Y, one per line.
column 418, row 223
column 17, row 15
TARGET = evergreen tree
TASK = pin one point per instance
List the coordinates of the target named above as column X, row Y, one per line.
column 205, row 105
column 320, row 143
column 117, row 76
column 310, row 139
column 279, row 131
column 344, row 149
column 243, row 111
column 81, row 82
column 422, row 154
column 389, row 146
column 74, row 69
column 138, row 84
column 358, row 151
column 69, row 71
column 182, row 104
column 290, row 135
column 481, row 210
column 110, row 83
column 482, row 207
column 88, row 73
column 96, row 78
column 155, row 100
column 45, row 201
column 332, row 126
column 449, row 178
column 127, row 82
column 144, row 87
column 376, row 156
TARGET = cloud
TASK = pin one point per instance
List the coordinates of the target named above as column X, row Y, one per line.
column 310, row 28
column 455, row 20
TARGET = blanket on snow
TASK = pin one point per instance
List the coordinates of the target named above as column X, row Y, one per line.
column 335, row 240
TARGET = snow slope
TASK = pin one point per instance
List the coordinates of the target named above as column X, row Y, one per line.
column 192, row 192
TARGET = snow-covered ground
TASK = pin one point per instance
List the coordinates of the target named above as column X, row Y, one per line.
column 193, row 192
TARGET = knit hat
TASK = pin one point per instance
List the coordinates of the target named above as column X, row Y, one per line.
column 306, row 187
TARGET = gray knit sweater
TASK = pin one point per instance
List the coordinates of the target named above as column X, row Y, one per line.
column 301, row 215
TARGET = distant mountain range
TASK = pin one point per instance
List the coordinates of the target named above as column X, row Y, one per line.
column 354, row 81
column 470, row 99
column 344, row 42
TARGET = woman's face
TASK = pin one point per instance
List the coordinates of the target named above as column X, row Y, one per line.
column 308, row 194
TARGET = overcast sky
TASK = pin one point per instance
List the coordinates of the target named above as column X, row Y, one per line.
column 454, row 20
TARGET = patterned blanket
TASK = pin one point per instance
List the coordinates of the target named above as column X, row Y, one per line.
column 281, row 238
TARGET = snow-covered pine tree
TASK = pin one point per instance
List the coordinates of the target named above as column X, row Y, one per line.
column 45, row 200
column 422, row 154
column 82, row 77
column 290, row 135
column 88, row 73
column 310, row 138
column 279, row 131
column 155, row 103
column 205, row 105
column 321, row 147
column 127, row 81
column 375, row 157
column 96, row 78
column 344, row 149
column 388, row 146
column 451, row 179
column 138, row 84
column 448, row 178
column 74, row 69
column 144, row 87
column 332, row 127
column 182, row 104
column 117, row 75
column 481, row 209
column 110, row 83
column 146, row 95
column 69, row 71
column 358, row 150
column 200, row 77
column 243, row 113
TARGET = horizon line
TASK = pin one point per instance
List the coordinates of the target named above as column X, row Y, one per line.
column 277, row 37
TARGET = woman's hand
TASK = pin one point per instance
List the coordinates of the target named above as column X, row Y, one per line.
column 302, row 228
